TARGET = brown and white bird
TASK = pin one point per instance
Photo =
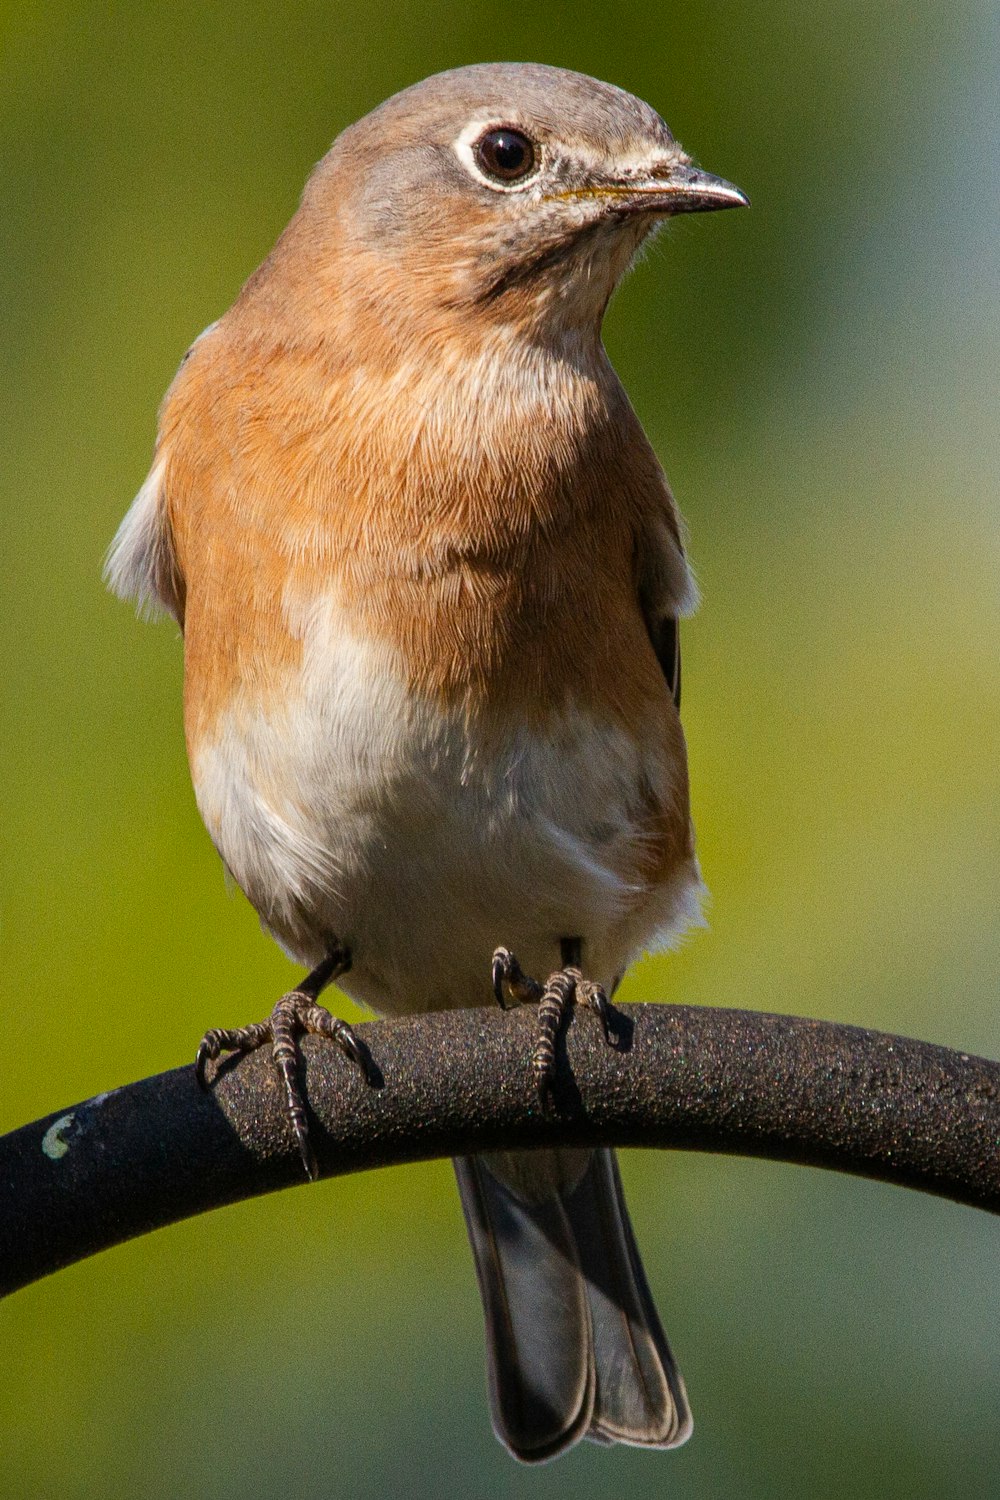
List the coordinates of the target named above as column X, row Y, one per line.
column 429, row 574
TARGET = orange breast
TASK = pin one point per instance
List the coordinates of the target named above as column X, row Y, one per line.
column 476, row 514
column 491, row 541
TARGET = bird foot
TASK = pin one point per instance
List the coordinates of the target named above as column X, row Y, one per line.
column 295, row 1014
column 563, row 989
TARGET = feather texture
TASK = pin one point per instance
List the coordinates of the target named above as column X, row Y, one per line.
column 575, row 1346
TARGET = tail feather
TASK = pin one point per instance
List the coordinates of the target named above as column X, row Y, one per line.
column 575, row 1346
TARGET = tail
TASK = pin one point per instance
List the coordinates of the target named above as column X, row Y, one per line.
column 574, row 1344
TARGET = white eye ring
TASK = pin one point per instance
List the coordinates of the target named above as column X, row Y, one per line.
column 465, row 150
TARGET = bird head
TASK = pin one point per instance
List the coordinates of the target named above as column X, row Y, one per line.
column 512, row 192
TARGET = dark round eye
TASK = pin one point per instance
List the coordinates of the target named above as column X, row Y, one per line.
column 505, row 155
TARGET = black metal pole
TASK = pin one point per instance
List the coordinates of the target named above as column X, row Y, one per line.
column 450, row 1083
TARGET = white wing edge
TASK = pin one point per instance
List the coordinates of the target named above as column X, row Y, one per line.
column 140, row 562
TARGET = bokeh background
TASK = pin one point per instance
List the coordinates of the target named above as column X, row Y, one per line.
column 820, row 377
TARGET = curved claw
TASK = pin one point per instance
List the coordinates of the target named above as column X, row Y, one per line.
column 502, row 961
column 372, row 1075
column 352, row 1047
column 221, row 1039
column 508, row 974
column 208, row 1051
column 306, row 1153
column 596, row 997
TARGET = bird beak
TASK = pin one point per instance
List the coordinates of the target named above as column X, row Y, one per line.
column 675, row 189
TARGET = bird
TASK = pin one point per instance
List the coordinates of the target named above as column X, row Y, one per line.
column 429, row 576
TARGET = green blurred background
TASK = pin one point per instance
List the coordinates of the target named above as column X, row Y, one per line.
column 819, row 376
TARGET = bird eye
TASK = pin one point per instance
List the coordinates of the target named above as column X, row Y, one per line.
column 505, row 155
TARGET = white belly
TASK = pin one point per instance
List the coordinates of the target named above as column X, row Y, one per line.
column 354, row 811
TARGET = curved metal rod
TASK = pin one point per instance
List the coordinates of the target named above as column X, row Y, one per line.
column 450, row 1083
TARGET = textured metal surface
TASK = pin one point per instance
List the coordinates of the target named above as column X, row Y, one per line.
column 450, row 1083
